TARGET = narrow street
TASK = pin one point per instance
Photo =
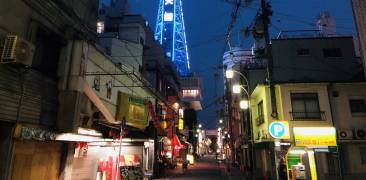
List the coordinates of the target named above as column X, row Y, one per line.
column 205, row 168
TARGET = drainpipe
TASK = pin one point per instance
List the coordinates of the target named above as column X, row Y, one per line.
column 330, row 88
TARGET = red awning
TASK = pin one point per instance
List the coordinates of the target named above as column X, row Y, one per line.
column 155, row 120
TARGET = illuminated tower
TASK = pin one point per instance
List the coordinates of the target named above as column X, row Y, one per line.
column 170, row 32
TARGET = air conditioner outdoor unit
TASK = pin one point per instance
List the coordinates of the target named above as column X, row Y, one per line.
column 360, row 133
column 17, row 50
column 345, row 134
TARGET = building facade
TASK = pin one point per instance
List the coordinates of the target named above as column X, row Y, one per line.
column 304, row 69
column 347, row 101
column 36, row 86
column 359, row 13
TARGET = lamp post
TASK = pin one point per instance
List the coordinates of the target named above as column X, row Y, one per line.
column 244, row 105
column 230, row 74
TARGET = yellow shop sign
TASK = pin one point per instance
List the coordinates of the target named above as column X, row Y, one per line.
column 315, row 136
column 133, row 109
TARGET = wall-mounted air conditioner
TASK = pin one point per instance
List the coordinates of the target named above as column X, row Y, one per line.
column 360, row 133
column 17, row 50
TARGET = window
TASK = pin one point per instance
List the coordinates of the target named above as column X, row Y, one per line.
column 357, row 105
column 47, row 52
column 305, row 106
column 363, row 155
column 260, row 118
column 303, row 52
column 332, row 52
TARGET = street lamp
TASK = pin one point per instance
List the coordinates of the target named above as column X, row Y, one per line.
column 244, row 104
column 229, row 73
column 200, row 125
column 237, row 89
column 221, row 121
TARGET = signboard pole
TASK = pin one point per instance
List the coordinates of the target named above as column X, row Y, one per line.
column 123, row 124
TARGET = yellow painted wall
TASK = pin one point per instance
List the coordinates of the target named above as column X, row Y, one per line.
column 283, row 99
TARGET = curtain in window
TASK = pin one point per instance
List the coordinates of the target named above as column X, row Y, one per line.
column 305, row 105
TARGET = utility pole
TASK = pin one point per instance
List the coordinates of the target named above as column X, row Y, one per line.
column 266, row 13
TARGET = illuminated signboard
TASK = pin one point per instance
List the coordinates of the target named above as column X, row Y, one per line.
column 181, row 124
column 168, row 2
column 315, row 136
column 168, row 16
column 279, row 130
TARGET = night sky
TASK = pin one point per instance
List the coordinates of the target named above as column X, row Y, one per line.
column 206, row 24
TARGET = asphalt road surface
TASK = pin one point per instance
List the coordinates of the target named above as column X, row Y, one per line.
column 207, row 168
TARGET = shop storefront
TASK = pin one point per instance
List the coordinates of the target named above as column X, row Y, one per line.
column 309, row 157
column 131, row 159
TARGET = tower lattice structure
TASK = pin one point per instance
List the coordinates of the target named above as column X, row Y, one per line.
column 170, row 32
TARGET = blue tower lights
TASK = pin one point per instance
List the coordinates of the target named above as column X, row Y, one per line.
column 170, row 32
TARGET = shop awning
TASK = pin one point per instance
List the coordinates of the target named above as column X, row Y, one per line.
column 155, row 120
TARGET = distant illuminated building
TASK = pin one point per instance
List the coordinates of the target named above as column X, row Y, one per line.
column 170, row 32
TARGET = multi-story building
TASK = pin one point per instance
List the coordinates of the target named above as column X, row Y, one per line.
column 191, row 98
column 293, row 128
column 359, row 12
column 129, row 41
column 300, row 105
column 347, row 101
column 41, row 66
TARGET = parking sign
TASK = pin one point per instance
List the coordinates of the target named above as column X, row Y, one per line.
column 279, row 130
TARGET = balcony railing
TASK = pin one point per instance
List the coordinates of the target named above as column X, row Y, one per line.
column 308, row 116
column 259, row 120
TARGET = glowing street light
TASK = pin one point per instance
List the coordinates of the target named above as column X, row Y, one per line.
column 244, row 104
column 221, row 121
column 229, row 73
column 237, row 88
column 200, row 125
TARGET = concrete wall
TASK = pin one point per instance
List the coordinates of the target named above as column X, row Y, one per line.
column 99, row 63
column 344, row 119
column 359, row 12
column 290, row 67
